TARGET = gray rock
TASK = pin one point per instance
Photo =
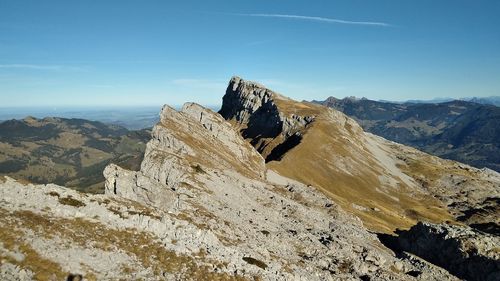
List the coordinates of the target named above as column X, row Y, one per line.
column 463, row 251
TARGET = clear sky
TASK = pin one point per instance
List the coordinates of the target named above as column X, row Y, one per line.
column 56, row 53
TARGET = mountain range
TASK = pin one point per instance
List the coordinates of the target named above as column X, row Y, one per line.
column 267, row 188
column 493, row 100
column 459, row 130
column 132, row 118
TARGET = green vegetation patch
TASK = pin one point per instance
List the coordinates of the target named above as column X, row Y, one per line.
column 198, row 169
column 12, row 166
column 71, row 202
column 255, row 262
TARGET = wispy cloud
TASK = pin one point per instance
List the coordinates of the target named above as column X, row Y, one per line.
column 317, row 19
column 41, row 67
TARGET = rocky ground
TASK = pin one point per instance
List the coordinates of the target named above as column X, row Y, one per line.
column 206, row 206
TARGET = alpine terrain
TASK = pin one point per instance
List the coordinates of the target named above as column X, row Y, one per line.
column 268, row 188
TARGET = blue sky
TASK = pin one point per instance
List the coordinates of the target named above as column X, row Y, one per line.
column 88, row 53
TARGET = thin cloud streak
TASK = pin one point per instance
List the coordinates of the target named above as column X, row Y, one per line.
column 318, row 19
column 41, row 67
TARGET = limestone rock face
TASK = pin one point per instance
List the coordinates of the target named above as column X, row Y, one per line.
column 135, row 186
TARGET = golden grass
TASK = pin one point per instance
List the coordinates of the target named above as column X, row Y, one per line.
column 386, row 209
column 68, row 140
column 255, row 262
column 23, row 181
column 289, row 107
column 90, row 156
column 318, row 159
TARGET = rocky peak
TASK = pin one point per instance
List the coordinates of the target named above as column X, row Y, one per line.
column 243, row 98
column 262, row 117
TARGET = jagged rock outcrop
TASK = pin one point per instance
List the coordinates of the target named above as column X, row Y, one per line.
column 253, row 109
column 464, row 252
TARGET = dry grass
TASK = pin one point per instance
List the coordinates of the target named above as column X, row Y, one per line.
column 11, row 238
column 54, row 194
column 23, row 181
column 314, row 162
column 141, row 245
column 71, row 202
column 255, row 262
column 289, row 107
column 3, row 179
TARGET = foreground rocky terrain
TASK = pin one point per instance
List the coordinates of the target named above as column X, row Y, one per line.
column 283, row 191
column 69, row 152
column 464, row 131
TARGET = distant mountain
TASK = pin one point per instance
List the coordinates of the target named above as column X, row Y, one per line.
column 487, row 100
column 493, row 100
column 70, row 152
column 464, row 131
column 435, row 100
column 132, row 118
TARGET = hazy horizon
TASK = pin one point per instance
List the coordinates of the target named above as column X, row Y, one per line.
column 129, row 53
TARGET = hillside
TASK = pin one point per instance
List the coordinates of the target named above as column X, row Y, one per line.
column 69, row 152
column 464, row 131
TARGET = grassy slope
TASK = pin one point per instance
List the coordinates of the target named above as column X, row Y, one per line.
column 317, row 159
